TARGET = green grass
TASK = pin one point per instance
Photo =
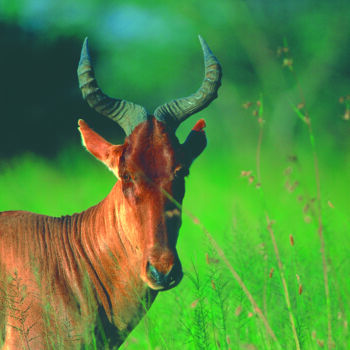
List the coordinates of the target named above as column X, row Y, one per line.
column 209, row 309
column 212, row 307
column 265, row 234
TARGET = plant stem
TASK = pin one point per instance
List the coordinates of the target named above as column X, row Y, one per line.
column 306, row 118
column 284, row 282
column 258, row 152
column 269, row 227
column 223, row 257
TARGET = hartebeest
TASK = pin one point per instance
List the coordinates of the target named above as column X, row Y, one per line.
column 71, row 280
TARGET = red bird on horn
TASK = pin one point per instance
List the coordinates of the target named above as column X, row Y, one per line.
column 68, row 281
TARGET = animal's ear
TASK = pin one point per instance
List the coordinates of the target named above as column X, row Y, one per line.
column 195, row 143
column 103, row 150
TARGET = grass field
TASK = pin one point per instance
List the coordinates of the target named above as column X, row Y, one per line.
column 261, row 283
column 265, row 237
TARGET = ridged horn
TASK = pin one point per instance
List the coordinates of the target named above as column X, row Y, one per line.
column 126, row 114
column 176, row 111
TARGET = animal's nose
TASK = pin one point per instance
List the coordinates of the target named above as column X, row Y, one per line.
column 165, row 280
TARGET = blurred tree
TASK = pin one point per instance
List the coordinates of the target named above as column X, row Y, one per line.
column 40, row 98
column 148, row 53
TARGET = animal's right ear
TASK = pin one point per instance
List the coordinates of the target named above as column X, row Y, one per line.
column 195, row 143
column 103, row 150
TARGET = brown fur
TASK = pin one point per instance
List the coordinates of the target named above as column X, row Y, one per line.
column 64, row 279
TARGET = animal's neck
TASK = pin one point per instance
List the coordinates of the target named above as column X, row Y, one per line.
column 115, row 263
column 103, row 234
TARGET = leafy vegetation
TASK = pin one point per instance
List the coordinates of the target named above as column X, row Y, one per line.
column 265, row 234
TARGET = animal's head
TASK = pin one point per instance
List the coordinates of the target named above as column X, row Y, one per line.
column 151, row 165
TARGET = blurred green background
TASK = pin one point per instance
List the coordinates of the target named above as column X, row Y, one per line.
column 148, row 52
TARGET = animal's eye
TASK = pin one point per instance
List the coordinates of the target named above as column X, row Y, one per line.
column 126, row 177
column 181, row 172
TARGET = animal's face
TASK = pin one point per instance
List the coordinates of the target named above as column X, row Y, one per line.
column 151, row 166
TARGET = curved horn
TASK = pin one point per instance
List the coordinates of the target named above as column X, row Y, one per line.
column 176, row 111
column 126, row 114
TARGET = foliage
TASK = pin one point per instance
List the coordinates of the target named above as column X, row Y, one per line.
column 209, row 310
column 148, row 52
column 258, row 173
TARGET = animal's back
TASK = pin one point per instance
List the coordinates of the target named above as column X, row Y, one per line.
column 13, row 213
column 9, row 238
column 16, row 244
column 31, row 272
column 19, row 233
column 15, row 227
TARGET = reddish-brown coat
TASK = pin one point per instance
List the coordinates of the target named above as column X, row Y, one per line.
column 96, row 264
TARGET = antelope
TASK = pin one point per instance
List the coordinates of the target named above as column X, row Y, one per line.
column 68, row 281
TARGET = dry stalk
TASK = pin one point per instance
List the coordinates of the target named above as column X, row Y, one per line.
column 258, row 152
column 236, row 276
column 284, row 282
column 305, row 117
column 269, row 226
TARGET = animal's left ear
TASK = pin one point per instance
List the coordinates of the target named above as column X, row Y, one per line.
column 195, row 143
column 103, row 150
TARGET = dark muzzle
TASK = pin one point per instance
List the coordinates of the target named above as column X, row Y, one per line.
column 168, row 280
